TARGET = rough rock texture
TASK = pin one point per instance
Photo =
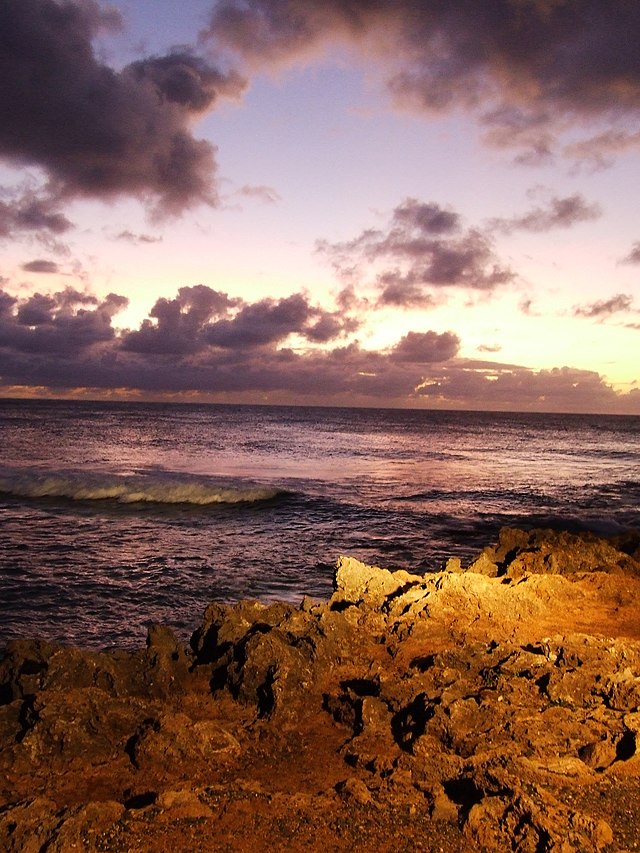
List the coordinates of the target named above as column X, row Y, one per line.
column 494, row 708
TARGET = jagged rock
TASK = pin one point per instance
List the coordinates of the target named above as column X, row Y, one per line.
column 38, row 825
column 174, row 740
column 357, row 583
column 532, row 824
column 181, row 804
column 79, row 726
column 476, row 708
column 355, row 789
column 166, row 662
column 553, row 552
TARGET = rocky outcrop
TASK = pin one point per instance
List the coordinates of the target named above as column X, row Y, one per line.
column 492, row 708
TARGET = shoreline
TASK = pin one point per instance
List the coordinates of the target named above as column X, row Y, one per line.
column 495, row 706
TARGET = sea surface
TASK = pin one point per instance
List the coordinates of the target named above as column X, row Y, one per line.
column 115, row 516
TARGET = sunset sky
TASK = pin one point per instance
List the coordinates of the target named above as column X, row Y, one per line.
column 421, row 203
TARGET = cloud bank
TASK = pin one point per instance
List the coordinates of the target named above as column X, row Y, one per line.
column 204, row 342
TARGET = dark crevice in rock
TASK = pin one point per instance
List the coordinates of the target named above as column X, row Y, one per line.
column 341, row 606
column 626, row 747
column 140, row 801
column 422, row 664
column 410, row 722
column 265, row 694
column 464, row 793
column 361, row 687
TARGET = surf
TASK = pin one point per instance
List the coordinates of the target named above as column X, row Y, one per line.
column 158, row 487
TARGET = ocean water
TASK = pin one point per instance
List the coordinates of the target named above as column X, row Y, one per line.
column 115, row 516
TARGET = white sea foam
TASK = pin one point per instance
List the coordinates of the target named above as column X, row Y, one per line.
column 156, row 488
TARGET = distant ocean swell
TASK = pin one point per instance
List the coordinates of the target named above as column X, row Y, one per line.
column 156, row 488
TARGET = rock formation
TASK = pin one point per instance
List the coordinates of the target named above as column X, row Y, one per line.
column 493, row 708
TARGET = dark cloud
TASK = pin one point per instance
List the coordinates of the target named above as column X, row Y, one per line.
column 186, row 80
column 404, row 290
column 200, row 318
column 95, row 131
column 530, row 68
column 203, row 340
column 621, row 302
column 32, row 213
column 426, row 347
column 41, row 266
column 559, row 213
column 64, row 324
column 177, row 324
column 505, row 386
column 67, row 340
column 634, row 255
column 271, row 321
column 527, row 306
column 423, row 249
column 425, row 218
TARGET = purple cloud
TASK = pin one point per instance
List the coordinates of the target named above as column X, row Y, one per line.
column 32, row 213
column 426, row 347
column 262, row 193
column 95, row 131
column 559, row 213
column 634, row 255
column 64, row 324
column 621, row 302
column 508, row 386
column 137, row 239
column 41, row 266
column 67, row 340
column 176, row 325
column 423, row 249
column 529, row 69
column 272, row 321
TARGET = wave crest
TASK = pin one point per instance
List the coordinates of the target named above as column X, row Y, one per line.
column 151, row 488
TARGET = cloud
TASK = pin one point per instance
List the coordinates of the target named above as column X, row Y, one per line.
column 621, row 302
column 559, row 213
column 507, row 386
column 176, row 325
column 63, row 324
column 95, row 131
column 203, row 340
column 67, row 340
column 599, row 151
column 530, row 69
column 200, row 318
column 423, row 249
column 41, row 266
column 271, row 321
column 634, row 255
column 32, row 213
column 137, row 239
column 426, row 347
column 261, row 193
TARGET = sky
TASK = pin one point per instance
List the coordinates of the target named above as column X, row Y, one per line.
column 411, row 203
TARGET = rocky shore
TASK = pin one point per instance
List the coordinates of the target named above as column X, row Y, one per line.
column 493, row 707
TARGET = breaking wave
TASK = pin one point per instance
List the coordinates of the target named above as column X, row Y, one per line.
column 157, row 487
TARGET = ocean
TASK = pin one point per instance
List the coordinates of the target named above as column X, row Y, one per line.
column 114, row 516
